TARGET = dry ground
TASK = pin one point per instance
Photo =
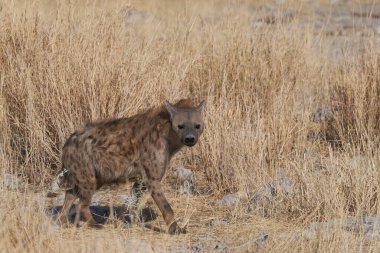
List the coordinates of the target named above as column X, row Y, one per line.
column 264, row 68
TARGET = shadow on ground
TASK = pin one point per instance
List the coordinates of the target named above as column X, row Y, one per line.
column 101, row 214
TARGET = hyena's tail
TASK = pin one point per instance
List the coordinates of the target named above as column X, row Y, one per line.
column 63, row 181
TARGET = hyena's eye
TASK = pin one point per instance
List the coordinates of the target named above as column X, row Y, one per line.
column 197, row 126
column 181, row 126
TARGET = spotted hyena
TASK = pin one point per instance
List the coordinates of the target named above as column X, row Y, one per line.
column 124, row 149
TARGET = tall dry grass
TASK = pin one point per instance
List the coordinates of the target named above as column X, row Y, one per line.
column 64, row 64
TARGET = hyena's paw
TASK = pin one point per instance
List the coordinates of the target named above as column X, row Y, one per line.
column 174, row 229
column 61, row 221
column 95, row 225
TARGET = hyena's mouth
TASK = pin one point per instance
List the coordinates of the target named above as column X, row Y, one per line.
column 189, row 144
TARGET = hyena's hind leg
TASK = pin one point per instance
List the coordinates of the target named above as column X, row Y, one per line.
column 83, row 209
column 70, row 197
column 85, row 192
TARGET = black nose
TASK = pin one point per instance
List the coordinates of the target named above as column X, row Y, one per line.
column 190, row 140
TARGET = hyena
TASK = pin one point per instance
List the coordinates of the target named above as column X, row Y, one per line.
column 122, row 150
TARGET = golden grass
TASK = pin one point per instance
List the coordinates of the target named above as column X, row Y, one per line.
column 64, row 64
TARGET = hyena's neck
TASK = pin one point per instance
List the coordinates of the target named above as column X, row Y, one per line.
column 174, row 142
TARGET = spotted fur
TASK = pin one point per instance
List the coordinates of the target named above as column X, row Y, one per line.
column 124, row 149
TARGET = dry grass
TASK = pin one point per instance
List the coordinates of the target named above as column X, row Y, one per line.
column 64, row 64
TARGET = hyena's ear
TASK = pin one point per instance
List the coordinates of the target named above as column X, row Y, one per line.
column 201, row 107
column 171, row 109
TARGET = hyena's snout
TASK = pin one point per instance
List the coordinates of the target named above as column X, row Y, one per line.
column 190, row 140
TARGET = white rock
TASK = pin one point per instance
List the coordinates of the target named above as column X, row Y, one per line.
column 182, row 175
column 60, row 198
column 187, row 188
column 95, row 200
column 185, row 179
column 259, row 243
column 283, row 185
column 269, row 195
column 322, row 115
column 55, row 228
column 360, row 163
column 312, row 158
column 286, row 185
column 371, row 228
column 376, row 29
column 367, row 226
column 12, row 182
column 198, row 246
column 259, row 24
column 220, row 246
column 233, row 198
column 137, row 246
column 134, row 17
column 54, row 186
column 322, row 230
column 129, row 200
column 216, row 222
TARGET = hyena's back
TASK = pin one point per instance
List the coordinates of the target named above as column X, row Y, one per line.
column 107, row 152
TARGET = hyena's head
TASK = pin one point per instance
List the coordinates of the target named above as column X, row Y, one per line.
column 186, row 122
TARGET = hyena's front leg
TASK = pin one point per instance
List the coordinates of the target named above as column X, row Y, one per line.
column 165, row 208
